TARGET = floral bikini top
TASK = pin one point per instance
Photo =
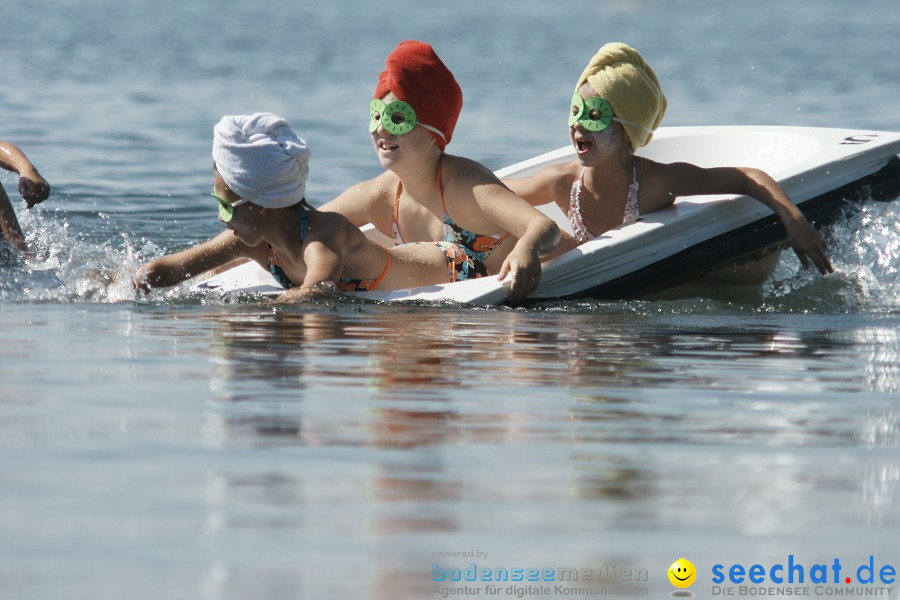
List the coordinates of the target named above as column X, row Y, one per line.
column 478, row 246
column 579, row 229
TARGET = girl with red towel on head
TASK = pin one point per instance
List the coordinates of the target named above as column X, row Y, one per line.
column 425, row 195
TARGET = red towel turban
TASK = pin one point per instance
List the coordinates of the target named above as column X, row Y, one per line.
column 415, row 74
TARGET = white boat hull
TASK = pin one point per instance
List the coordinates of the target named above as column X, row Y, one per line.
column 817, row 167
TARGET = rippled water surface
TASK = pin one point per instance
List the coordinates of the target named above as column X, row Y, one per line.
column 184, row 446
column 244, row 451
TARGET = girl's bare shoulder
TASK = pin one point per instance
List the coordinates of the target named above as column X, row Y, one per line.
column 379, row 188
column 367, row 201
column 459, row 167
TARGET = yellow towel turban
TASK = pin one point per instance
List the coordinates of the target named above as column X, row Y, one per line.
column 619, row 74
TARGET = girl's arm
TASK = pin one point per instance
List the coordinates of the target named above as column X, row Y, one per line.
column 9, row 224
column 172, row 269
column 324, row 266
column 33, row 188
column 523, row 264
column 684, row 179
column 537, row 233
column 541, row 188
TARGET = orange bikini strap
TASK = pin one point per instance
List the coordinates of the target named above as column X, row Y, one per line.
column 387, row 267
column 440, row 188
column 400, row 192
column 397, row 201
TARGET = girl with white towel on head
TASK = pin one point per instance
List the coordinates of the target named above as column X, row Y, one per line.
column 259, row 181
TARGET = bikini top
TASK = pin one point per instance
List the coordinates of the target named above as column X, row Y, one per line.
column 272, row 258
column 579, row 229
column 476, row 245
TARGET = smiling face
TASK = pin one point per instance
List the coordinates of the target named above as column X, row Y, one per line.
column 393, row 149
column 682, row 573
column 595, row 147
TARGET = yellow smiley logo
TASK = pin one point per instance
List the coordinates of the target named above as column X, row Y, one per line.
column 682, row 573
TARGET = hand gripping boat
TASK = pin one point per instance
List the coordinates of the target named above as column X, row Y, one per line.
column 821, row 169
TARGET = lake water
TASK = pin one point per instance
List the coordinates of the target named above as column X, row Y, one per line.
column 188, row 447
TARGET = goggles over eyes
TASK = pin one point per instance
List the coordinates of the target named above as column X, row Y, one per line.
column 397, row 118
column 226, row 208
column 594, row 114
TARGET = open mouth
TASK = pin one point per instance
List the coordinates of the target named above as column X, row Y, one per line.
column 583, row 146
column 387, row 146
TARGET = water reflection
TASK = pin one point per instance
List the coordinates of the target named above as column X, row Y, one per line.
column 880, row 350
column 405, row 425
column 404, row 378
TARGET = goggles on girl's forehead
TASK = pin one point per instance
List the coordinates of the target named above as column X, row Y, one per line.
column 594, row 114
column 226, row 208
column 397, row 118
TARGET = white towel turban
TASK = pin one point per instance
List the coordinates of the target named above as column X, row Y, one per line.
column 261, row 159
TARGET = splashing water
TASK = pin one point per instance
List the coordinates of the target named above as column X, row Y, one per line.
column 68, row 266
column 864, row 247
column 64, row 266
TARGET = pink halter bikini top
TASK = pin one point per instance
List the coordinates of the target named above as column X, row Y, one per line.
column 579, row 229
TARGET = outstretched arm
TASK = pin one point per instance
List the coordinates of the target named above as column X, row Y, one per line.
column 688, row 180
column 547, row 185
column 172, row 269
column 537, row 189
column 33, row 188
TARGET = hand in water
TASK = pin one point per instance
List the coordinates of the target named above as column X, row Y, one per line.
column 809, row 246
column 524, row 273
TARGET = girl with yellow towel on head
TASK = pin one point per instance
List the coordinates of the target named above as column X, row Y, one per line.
column 617, row 106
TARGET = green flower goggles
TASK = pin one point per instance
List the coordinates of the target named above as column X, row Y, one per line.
column 397, row 118
column 594, row 114
column 226, row 208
